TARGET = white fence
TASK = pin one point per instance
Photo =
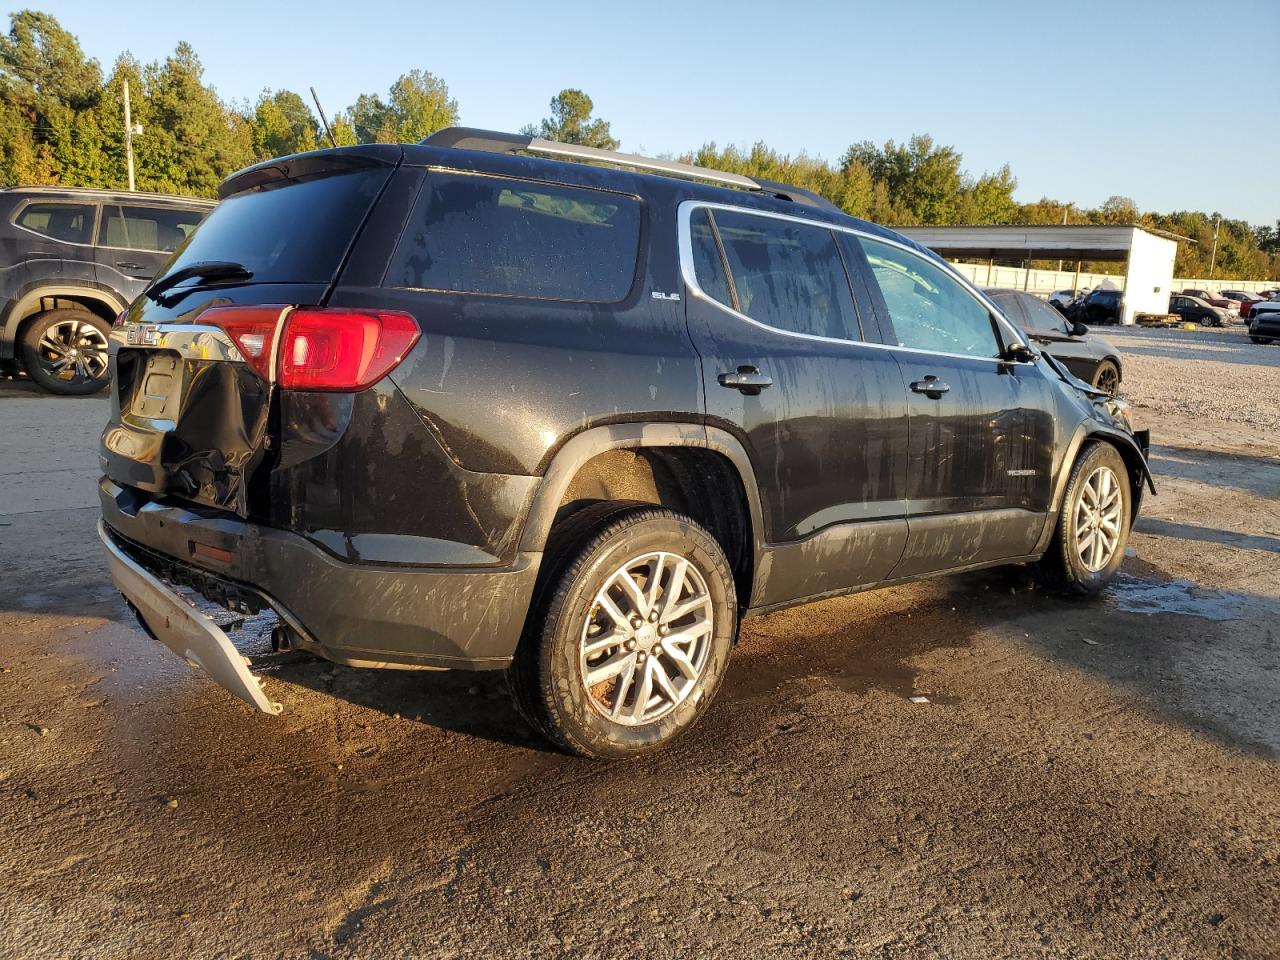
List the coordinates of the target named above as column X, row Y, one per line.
column 1045, row 282
column 1248, row 286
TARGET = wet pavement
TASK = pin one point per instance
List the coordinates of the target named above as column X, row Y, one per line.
column 965, row 767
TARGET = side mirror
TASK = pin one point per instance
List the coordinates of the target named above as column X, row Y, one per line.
column 1019, row 352
column 1079, row 329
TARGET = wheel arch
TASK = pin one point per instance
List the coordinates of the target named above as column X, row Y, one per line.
column 101, row 303
column 704, row 472
column 1126, row 446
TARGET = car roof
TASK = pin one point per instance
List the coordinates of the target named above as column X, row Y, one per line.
column 771, row 197
column 643, row 184
column 120, row 196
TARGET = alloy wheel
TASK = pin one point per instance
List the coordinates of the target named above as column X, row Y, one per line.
column 1098, row 519
column 646, row 639
column 73, row 350
column 1108, row 380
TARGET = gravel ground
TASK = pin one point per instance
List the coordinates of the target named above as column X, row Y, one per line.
column 1235, row 379
column 1088, row 779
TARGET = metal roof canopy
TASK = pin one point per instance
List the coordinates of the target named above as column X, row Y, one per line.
column 1085, row 241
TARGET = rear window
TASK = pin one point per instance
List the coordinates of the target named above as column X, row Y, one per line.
column 294, row 233
column 471, row 234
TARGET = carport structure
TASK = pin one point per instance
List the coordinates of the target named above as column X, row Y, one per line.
column 1147, row 254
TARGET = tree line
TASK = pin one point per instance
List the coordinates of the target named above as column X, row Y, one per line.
column 61, row 122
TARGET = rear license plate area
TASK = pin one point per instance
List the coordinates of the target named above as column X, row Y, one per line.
column 158, row 395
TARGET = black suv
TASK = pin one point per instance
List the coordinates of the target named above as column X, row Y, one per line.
column 457, row 405
column 70, row 260
column 1100, row 306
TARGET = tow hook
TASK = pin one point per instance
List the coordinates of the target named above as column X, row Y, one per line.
column 281, row 638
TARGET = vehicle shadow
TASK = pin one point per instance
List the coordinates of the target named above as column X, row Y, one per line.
column 1189, row 531
column 1249, row 473
column 1137, row 634
column 863, row 650
column 475, row 704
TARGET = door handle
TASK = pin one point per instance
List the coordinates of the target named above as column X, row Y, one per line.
column 128, row 265
column 931, row 387
column 748, row 379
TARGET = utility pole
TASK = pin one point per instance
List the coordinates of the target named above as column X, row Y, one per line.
column 1213, row 259
column 1064, row 223
column 128, row 136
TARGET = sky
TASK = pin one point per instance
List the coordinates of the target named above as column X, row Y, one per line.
column 1164, row 101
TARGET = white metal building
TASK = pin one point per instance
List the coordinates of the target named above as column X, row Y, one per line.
column 1147, row 254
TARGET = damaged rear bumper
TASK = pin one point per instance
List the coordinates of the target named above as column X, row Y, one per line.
column 175, row 623
column 361, row 614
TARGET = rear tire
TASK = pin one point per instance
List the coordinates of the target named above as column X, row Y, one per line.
column 65, row 351
column 1093, row 525
column 645, row 605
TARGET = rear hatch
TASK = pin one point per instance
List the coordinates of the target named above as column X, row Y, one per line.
column 191, row 404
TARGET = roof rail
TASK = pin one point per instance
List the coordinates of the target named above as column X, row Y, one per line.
column 471, row 138
column 97, row 192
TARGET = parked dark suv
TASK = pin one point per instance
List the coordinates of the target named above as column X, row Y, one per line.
column 457, row 405
column 1100, row 306
column 70, row 260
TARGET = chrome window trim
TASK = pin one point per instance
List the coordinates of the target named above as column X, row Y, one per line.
column 685, row 243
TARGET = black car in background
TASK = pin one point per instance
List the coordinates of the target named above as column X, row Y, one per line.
column 1265, row 327
column 456, row 405
column 1100, row 306
column 70, row 261
column 1195, row 310
column 1087, row 356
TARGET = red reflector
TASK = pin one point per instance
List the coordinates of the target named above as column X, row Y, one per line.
column 214, row 553
column 251, row 329
column 120, row 317
column 338, row 349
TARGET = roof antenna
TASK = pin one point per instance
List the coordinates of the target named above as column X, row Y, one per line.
column 323, row 118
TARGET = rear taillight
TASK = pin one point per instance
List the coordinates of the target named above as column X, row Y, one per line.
column 336, row 349
column 321, row 348
column 251, row 329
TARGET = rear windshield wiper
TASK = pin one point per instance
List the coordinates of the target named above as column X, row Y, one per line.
column 205, row 270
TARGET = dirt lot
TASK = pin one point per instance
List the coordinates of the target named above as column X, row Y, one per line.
column 1088, row 779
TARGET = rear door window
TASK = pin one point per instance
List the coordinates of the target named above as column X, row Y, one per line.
column 515, row 238
column 295, row 232
column 929, row 308
column 68, row 222
column 161, row 229
column 788, row 275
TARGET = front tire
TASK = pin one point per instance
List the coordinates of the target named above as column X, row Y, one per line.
column 630, row 638
column 1093, row 525
column 65, row 351
column 1107, row 377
